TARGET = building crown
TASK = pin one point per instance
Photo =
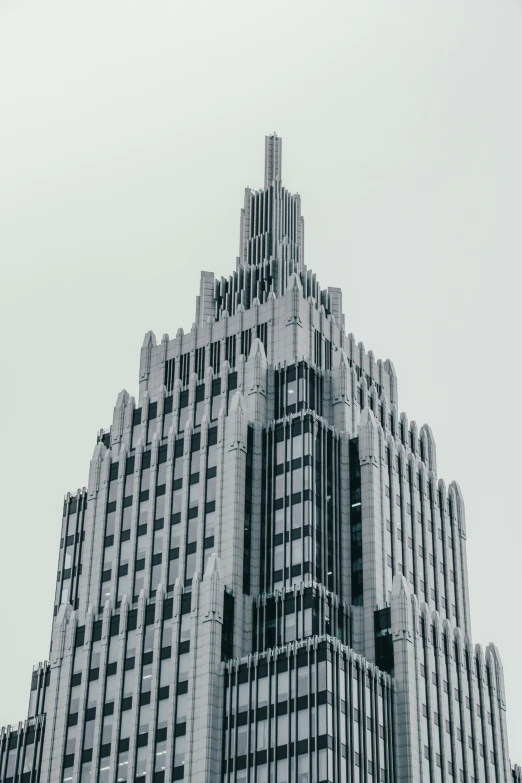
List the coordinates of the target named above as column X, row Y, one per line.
column 271, row 247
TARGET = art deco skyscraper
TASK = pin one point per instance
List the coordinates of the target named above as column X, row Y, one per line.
column 265, row 579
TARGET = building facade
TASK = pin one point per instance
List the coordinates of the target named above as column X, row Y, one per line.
column 265, row 579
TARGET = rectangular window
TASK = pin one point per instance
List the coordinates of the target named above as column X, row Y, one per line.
column 200, row 363
column 246, row 342
column 215, row 352
column 230, row 350
column 169, row 374
column 184, row 368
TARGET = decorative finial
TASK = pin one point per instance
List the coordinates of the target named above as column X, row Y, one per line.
column 273, row 159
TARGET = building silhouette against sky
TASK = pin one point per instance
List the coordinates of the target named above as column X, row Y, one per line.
column 265, row 579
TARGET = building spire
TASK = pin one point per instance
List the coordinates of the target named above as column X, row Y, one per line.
column 273, row 158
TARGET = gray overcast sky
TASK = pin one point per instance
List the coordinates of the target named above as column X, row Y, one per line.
column 128, row 132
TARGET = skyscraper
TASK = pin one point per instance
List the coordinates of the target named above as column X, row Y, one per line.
column 265, row 579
